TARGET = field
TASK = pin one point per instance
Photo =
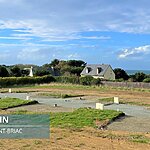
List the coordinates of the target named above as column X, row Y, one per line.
column 72, row 131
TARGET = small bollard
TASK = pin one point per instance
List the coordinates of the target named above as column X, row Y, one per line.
column 100, row 106
column 9, row 91
column 116, row 100
column 27, row 97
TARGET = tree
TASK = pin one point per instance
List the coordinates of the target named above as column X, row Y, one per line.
column 139, row 76
column 76, row 63
column 54, row 62
column 16, row 71
column 120, row 74
column 3, row 72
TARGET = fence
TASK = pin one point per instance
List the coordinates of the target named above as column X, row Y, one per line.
column 127, row 84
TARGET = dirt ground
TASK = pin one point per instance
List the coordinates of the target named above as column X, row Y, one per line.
column 62, row 139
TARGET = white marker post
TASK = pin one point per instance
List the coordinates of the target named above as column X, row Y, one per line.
column 116, row 100
column 100, row 106
column 27, row 97
column 9, row 91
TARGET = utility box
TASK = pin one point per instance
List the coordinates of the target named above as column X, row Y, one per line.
column 116, row 100
column 100, row 106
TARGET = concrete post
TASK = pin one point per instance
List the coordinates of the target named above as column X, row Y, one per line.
column 100, row 106
column 27, row 97
column 116, row 100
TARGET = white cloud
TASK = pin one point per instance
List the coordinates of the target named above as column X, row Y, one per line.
column 73, row 56
column 31, row 54
column 135, row 52
column 15, row 38
column 63, row 20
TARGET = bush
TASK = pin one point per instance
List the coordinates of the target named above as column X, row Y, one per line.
column 67, row 79
column 147, row 80
column 89, row 80
column 96, row 81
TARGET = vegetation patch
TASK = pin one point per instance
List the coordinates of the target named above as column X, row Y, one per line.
column 82, row 117
column 14, row 102
column 109, row 99
column 58, row 95
column 139, row 138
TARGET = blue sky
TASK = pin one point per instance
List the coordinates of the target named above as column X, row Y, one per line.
column 96, row 31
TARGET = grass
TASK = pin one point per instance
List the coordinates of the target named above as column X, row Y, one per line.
column 135, row 103
column 36, row 88
column 139, row 138
column 82, row 117
column 14, row 102
column 109, row 99
column 58, row 95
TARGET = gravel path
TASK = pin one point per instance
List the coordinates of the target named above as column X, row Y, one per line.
column 137, row 118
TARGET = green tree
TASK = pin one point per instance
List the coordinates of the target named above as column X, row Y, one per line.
column 139, row 76
column 76, row 63
column 16, row 71
column 121, row 74
column 54, row 62
column 3, row 72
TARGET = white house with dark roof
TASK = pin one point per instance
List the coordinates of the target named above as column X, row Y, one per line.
column 102, row 71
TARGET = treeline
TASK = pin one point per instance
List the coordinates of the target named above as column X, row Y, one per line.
column 69, row 68
column 55, row 68
column 11, row 81
column 121, row 75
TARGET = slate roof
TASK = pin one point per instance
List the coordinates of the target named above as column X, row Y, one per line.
column 93, row 68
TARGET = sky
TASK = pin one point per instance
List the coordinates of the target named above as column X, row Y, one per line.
column 115, row 32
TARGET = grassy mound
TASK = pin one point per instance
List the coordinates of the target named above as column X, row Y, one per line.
column 82, row 118
column 14, row 102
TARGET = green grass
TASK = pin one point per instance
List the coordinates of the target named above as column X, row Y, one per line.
column 58, row 95
column 14, row 102
column 78, row 87
column 82, row 118
column 135, row 103
column 109, row 99
column 139, row 138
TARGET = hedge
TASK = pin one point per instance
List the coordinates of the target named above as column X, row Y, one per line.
column 9, row 81
column 68, row 79
column 87, row 80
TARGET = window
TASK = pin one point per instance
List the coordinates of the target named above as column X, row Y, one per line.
column 99, row 70
column 88, row 69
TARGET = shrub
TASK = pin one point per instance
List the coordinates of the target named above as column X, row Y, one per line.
column 87, row 80
column 147, row 80
column 67, row 79
column 96, row 81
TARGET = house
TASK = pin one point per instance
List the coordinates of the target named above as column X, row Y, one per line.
column 102, row 71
